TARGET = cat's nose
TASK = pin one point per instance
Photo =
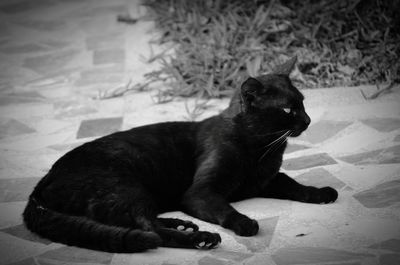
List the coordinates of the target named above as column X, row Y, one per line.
column 303, row 118
column 307, row 119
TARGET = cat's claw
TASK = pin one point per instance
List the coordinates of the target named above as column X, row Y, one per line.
column 203, row 245
column 187, row 226
column 206, row 240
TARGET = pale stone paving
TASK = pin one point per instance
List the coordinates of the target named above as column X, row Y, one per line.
column 55, row 57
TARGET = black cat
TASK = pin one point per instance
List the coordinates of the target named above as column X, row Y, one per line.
column 106, row 194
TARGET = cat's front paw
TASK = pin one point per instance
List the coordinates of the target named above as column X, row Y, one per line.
column 324, row 195
column 241, row 225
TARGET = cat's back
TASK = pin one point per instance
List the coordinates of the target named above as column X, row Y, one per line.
column 161, row 141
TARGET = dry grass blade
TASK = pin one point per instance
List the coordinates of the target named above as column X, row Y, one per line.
column 380, row 91
column 126, row 19
column 219, row 43
column 122, row 90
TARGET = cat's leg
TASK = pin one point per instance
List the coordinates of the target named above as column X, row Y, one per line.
column 213, row 208
column 126, row 206
column 184, row 239
column 166, row 228
column 178, row 224
column 133, row 207
column 284, row 187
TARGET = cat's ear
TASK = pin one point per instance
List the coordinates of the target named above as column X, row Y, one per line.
column 249, row 91
column 286, row 68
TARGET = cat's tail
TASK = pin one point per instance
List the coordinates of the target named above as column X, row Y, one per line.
column 83, row 232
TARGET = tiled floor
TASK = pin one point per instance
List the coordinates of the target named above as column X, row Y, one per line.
column 55, row 56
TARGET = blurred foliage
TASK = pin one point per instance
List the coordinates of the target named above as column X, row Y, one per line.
column 219, row 43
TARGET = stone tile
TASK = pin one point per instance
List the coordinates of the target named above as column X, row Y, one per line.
column 4, row 39
column 355, row 140
column 103, row 10
column 54, row 44
column 324, row 130
column 43, row 25
column 10, row 99
column 12, row 190
column 262, row 240
column 54, row 80
column 28, row 164
column 100, row 25
column 108, row 75
column 383, row 195
column 13, row 71
column 99, row 127
column 23, row 48
column 370, row 227
column 28, row 261
column 28, row 94
column 389, row 259
column 11, row 213
column 14, row 249
column 259, row 259
column 55, row 89
column 390, row 244
column 159, row 256
column 50, row 63
column 364, row 158
column 65, row 147
column 65, row 109
column 207, row 260
column 36, row 142
column 388, row 155
column 14, row 128
column 26, row 111
column 113, row 106
column 383, row 124
column 347, row 263
column 237, row 257
column 311, row 255
column 114, row 56
column 319, row 178
column 24, row 6
column 295, row 147
column 106, row 42
column 22, row 232
column 309, row 161
column 77, row 255
column 48, row 126
column 110, row 80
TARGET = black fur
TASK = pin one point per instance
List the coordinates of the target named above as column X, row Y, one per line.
column 106, row 194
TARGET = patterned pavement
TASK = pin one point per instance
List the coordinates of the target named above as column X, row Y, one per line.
column 57, row 55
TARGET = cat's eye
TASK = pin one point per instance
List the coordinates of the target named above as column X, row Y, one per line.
column 287, row 110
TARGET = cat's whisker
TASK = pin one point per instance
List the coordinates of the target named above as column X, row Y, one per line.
column 279, row 138
column 275, row 144
column 280, row 143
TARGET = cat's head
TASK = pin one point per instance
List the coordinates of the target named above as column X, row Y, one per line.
column 275, row 95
